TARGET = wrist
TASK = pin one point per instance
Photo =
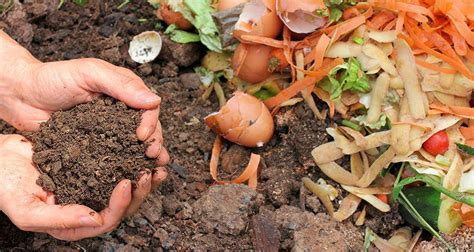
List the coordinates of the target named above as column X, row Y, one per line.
column 15, row 68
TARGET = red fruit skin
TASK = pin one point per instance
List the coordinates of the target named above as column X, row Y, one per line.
column 437, row 144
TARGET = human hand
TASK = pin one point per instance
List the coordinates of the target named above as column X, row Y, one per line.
column 32, row 209
column 30, row 91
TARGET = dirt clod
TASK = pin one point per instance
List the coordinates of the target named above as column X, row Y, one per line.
column 225, row 208
column 84, row 152
column 181, row 54
column 310, row 232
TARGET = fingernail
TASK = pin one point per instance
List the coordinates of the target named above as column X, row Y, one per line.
column 89, row 221
column 126, row 189
column 149, row 98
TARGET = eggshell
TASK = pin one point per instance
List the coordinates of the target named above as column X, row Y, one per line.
column 259, row 17
column 244, row 120
column 253, row 62
column 229, row 4
column 299, row 15
column 171, row 17
column 145, row 47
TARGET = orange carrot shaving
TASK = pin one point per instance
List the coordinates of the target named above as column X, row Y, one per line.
column 249, row 174
column 467, row 132
column 382, row 197
column 350, row 13
column 434, row 67
column 317, row 54
column 345, row 27
column 459, row 66
column 401, row 6
column 382, row 18
column 266, row 41
column 466, row 212
column 298, row 86
column 463, row 112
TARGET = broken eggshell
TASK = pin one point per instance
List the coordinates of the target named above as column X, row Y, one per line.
column 300, row 15
column 244, row 120
column 258, row 18
column 145, row 47
column 251, row 62
column 229, row 4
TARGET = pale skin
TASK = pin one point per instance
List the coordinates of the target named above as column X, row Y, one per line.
column 30, row 91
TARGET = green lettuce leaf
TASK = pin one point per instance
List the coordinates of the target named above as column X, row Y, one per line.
column 347, row 76
column 382, row 122
column 180, row 36
column 199, row 14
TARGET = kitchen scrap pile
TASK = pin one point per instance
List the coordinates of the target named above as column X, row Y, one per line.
column 397, row 78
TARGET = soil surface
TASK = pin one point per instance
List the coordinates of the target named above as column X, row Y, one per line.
column 189, row 212
column 82, row 153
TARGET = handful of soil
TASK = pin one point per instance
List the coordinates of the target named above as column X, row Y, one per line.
column 84, row 152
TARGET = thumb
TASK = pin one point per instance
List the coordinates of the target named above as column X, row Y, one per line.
column 118, row 82
column 45, row 216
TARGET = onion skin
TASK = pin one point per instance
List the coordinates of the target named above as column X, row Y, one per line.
column 229, row 4
column 244, row 120
column 254, row 65
column 171, row 17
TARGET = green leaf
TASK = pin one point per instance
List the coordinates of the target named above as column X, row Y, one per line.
column 466, row 149
column 403, row 200
column 202, row 19
column 351, row 125
column 180, row 36
column 425, row 198
column 379, row 124
column 334, row 14
column 458, row 196
column 369, row 237
column 345, row 77
column 358, row 40
column 81, row 2
column 263, row 94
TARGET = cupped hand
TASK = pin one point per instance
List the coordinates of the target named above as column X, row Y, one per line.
column 30, row 91
column 32, row 209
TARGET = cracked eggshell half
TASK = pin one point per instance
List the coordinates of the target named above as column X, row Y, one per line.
column 145, row 47
column 259, row 17
column 299, row 15
column 244, row 120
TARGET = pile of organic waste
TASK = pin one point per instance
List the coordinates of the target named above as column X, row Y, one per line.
column 397, row 75
column 349, row 122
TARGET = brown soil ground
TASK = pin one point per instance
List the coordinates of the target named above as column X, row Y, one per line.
column 190, row 212
column 84, row 152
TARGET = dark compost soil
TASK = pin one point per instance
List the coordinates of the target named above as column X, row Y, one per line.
column 189, row 212
column 84, row 152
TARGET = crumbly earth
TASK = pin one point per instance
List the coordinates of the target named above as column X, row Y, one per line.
column 82, row 153
column 182, row 214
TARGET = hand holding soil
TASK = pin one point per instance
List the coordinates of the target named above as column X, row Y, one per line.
column 30, row 92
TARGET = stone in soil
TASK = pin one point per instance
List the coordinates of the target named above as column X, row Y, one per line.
column 305, row 231
column 84, row 152
column 225, row 208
